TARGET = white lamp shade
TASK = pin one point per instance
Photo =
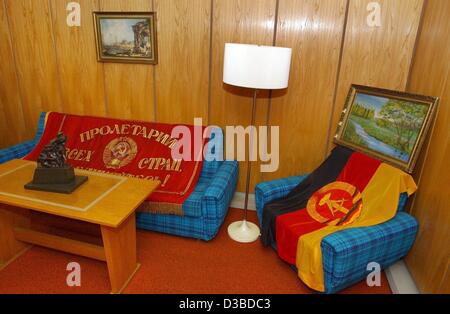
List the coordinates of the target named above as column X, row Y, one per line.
column 259, row 67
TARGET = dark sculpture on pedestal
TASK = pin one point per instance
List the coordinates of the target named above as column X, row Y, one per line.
column 53, row 173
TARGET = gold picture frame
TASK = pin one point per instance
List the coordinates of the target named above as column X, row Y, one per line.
column 385, row 124
column 128, row 37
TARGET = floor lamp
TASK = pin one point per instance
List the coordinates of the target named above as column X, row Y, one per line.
column 255, row 67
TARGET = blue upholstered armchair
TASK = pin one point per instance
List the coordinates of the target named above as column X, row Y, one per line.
column 345, row 254
column 204, row 210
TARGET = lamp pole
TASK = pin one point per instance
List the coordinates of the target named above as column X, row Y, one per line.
column 247, row 188
column 254, row 67
column 245, row 231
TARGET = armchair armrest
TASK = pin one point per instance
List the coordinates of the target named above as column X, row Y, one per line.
column 346, row 254
column 266, row 192
column 16, row 151
column 218, row 195
column 23, row 149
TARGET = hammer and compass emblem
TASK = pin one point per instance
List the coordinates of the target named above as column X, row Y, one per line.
column 336, row 204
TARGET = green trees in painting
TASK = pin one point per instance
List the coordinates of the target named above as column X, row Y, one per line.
column 384, row 123
column 363, row 112
column 396, row 124
column 405, row 119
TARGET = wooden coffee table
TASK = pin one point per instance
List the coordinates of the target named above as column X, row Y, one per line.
column 95, row 221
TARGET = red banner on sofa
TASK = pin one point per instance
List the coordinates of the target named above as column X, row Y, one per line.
column 130, row 148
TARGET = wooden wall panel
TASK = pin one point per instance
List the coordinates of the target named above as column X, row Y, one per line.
column 444, row 286
column 182, row 73
column 377, row 56
column 129, row 88
column 239, row 21
column 33, row 46
column 12, row 128
column 81, row 76
column 313, row 29
column 429, row 259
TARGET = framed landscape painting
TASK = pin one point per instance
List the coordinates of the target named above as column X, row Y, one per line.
column 126, row 37
column 389, row 125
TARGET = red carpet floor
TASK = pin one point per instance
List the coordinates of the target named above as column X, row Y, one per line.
column 169, row 264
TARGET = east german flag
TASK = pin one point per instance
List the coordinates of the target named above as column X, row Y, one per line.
column 348, row 190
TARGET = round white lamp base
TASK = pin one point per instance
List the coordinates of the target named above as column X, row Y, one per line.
column 243, row 231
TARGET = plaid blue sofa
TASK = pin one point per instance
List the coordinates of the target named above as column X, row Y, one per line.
column 204, row 210
column 346, row 254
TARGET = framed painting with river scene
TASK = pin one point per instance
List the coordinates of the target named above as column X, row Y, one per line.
column 389, row 125
column 126, row 37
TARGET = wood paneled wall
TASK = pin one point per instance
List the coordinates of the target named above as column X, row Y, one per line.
column 33, row 45
column 129, row 88
column 377, row 56
column 81, row 76
column 53, row 67
column 314, row 30
column 429, row 260
column 12, row 125
column 182, row 75
column 239, row 21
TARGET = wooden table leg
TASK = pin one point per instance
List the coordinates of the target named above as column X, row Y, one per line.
column 11, row 217
column 120, row 250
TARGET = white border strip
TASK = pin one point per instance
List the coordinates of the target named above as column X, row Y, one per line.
column 400, row 279
column 122, row 180
column 14, row 170
column 238, row 201
column 37, row 200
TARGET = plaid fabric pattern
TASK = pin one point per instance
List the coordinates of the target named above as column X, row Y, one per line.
column 191, row 227
column 20, row 150
column 210, row 166
column 268, row 191
column 192, row 207
column 402, row 202
column 345, row 254
column 212, row 196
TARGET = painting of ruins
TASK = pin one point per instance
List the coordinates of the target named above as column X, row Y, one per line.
column 387, row 124
column 126, row 37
